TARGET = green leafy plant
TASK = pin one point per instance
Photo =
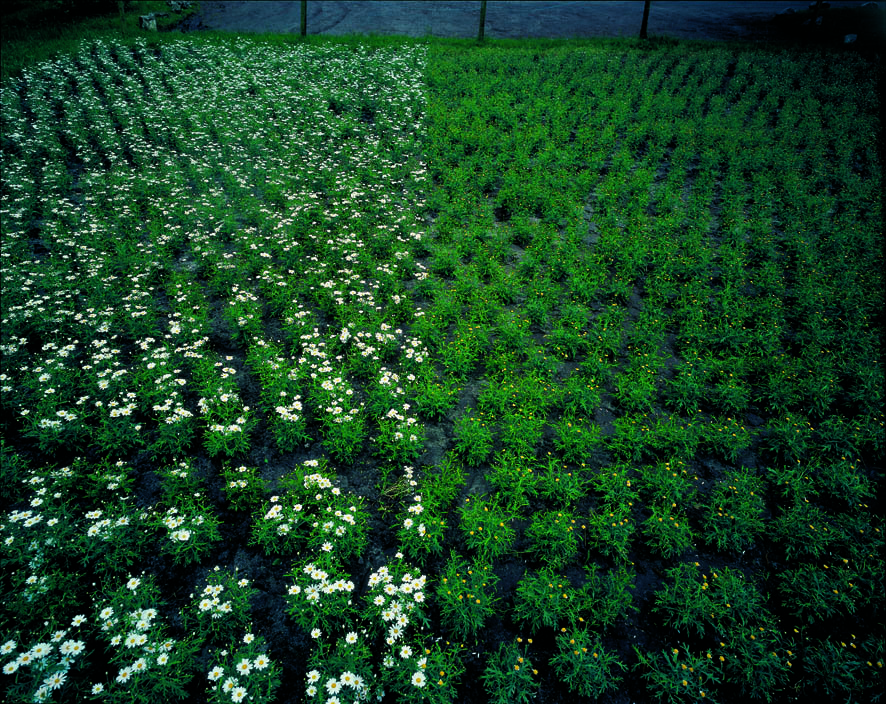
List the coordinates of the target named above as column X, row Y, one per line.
column 576, row 439
column 678, row 675
column 244, row 672
column 464, row 596
column 546, row 600
column 189, row 529
column 508, row 676
column 473, row 438
column 584, row 665
column 734, row 515
column 243, row 487
column 667, row 530
column 221, row 609
column 487, row 528
column 554, row 538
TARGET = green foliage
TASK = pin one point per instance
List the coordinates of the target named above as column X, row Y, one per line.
column 507, row 677
column 465, row 596
column 554, row 538
column 487, row 528
column 243, row 487
column 220, row 610
column 734, row 515
column 667, row 530
column 546, row 600
column 693, row 602
column 576, row 439
column 584, row 665
column 473, row 438
column 678, row 675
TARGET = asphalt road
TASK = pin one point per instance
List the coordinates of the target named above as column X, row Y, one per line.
column 512, row 19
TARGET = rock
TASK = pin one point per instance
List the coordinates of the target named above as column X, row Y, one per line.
column 787, row 11
column 148, row 22
column 850, row 38
column 871, row 6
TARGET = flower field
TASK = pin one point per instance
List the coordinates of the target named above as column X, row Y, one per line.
column 430, row 372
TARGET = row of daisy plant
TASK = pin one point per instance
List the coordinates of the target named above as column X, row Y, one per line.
column 156, row 384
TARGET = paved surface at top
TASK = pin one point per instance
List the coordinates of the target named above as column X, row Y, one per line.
column 505, row 19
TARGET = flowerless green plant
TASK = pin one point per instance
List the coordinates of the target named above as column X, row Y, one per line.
column 487, row 528
column 667, row 530
column 546, row 600
column 733, row 516
column 554, row 538
column 464, row 596
column 678, row 675
column 584, row 665
column 473, row 438
column 508, row 676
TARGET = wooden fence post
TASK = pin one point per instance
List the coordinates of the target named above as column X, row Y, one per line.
column 482, row 20
column 645, row 19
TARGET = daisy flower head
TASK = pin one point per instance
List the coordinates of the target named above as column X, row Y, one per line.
column 10, row 667
column 405, row 652
column 248, row 638
column 162, row 659
column 55, row 680
column 333, row 686
column 71, row 647
column 139, row 665
column 133, row 583
column 311, row 691
column 313, row 676
column 261, row 662
column 244, row 667
column 78, row 620
column 316, row 633
column 98, row 688
column 238, row 694
column 228, row 685
column 124, row 674
column 41, row 650
column 351, row 638
column 419, row 679
column 215, row 674
column 7, row 647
